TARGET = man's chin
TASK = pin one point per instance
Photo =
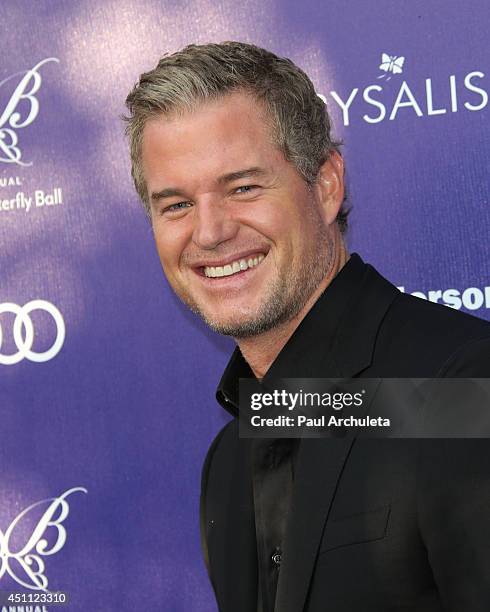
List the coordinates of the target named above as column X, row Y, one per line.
column 236, row 319
column 245, row 326
column 242, row 328
column 244, row 321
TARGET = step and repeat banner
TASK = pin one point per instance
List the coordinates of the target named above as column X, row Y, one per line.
column 106, row 381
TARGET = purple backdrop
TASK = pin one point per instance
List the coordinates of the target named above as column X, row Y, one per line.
column 108, row 383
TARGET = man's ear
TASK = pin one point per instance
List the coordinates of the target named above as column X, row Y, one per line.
column 330, row 187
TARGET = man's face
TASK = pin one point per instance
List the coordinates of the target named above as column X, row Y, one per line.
column 241, row 237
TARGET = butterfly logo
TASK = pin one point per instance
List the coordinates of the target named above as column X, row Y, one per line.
column 391, row 64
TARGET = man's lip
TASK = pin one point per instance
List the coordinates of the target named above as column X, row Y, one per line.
column 227, row 260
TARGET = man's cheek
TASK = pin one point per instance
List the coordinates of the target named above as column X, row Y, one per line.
column 169, row 266
column 166, row 253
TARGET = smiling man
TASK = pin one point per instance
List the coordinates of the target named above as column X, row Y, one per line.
column 233, row 159
column 261, row 244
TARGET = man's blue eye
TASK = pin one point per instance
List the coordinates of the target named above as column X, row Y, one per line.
column 246, row 188
column 178, row 206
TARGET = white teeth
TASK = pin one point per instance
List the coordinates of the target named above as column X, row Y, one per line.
column 236, row 266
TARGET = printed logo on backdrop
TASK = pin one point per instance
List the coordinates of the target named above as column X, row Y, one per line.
column 23, row 332
column 391, row 64
column 19, row 109
column 441, row 95
column 35, row 534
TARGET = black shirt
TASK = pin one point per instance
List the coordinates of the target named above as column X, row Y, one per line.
column 273, row 461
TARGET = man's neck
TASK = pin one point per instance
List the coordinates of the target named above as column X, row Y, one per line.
column 261, row 351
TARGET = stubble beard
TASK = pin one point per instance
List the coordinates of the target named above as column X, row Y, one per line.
column 286, row 297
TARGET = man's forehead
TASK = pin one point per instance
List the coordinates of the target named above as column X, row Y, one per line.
column 207, row 145
column 234, row 118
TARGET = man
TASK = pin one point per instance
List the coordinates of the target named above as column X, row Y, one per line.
column 232, row 156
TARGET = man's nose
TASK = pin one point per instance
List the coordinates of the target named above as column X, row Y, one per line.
column 212, row 224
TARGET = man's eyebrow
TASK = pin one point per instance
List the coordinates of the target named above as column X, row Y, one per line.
column 170, row 192
column 166, row 193
column 240, row 174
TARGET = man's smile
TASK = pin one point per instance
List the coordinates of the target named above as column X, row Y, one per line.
column 232, row 265
column 238, row 265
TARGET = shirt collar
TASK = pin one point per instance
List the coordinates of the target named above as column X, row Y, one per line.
column 306, row 353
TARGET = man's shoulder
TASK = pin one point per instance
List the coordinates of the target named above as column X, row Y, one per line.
column 222, row 439
column 227, row 450
column 417, row 312
column 424, row 337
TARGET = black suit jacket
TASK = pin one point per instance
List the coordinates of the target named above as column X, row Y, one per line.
column 374, row 525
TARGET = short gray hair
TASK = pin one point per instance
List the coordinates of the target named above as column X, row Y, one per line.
column 299, row 118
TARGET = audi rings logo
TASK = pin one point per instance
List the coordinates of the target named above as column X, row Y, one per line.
column 23, row 332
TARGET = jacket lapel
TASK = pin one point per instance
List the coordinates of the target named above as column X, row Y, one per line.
column 320, row 461
column 313, row 493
